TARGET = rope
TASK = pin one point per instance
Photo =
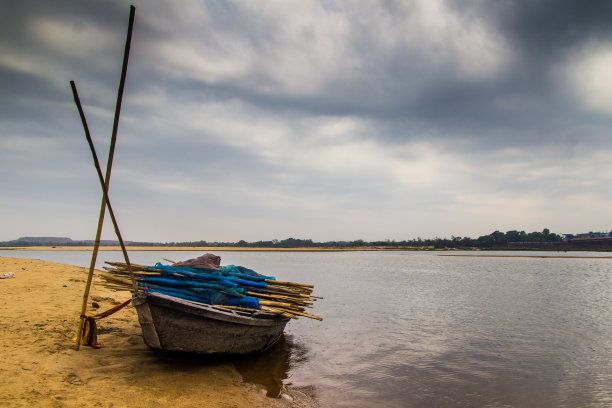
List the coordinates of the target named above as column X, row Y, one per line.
column 89, row 336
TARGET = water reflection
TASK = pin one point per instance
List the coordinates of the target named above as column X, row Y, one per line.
column 272, row 367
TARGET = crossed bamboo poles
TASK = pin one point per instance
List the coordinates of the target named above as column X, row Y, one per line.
column 104, row 181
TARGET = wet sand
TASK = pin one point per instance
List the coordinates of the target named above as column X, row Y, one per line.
column 39, row 310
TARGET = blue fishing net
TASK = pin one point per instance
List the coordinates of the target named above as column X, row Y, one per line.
column 226, row 286
column 233, row 271
column 211, row 298
column 244, row 273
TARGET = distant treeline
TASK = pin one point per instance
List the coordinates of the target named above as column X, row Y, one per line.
column 496, row 239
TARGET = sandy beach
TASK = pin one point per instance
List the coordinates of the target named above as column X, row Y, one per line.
column 39, row 310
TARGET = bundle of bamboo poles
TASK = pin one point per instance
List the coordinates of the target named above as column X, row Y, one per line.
column 289, row 299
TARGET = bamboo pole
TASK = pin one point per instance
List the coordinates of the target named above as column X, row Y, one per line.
column 265, row 296
column 291, row 311
column 300, row 285
column 299, row 289
column 114, row 278
column 121, row 264
column 244, row 309
column 283, row 305
column 109, row 166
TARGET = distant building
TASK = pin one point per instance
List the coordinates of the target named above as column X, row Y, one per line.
column 587, row 235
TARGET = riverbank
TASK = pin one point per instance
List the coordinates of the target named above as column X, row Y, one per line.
column 39, row 310
column 444, row 251
column 209, row 249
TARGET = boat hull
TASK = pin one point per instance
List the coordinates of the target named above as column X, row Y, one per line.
column 170, row 323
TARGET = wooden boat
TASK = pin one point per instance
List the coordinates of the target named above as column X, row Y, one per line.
column 170, row 323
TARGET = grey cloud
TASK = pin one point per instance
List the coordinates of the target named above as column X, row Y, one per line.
column 399, row 86
column 549, row 29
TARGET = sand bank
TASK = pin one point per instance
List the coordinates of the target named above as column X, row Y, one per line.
column 534, row 255
column 39, row 310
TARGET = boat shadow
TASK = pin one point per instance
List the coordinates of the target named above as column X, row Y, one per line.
column 268, row 369
column 272, row 367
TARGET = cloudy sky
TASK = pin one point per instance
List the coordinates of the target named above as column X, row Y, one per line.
column 328, row 120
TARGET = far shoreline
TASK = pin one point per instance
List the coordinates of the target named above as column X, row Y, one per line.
column 477, row 252
column 219, row 249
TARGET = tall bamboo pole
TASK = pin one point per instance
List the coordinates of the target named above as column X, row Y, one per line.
column 109, row 166
column 102, row 184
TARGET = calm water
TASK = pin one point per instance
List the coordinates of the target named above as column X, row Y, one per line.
column 416, row 329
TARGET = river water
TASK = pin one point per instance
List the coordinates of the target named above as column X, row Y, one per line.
column 423, row 329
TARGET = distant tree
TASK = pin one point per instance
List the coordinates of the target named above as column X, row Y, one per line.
column 513, row 236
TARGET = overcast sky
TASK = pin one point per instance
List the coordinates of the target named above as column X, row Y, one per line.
column 328, row 120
